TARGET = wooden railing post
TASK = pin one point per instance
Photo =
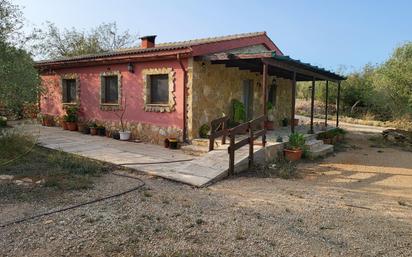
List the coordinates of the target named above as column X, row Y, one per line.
column 232, row 154
column 224, row 134
column 250, row 144
column 217, row 129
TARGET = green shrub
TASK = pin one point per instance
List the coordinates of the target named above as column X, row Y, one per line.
column 239, row 114
column 3, row 121
column 204, row 131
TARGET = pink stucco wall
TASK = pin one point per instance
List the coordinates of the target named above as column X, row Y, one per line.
column 132, row 89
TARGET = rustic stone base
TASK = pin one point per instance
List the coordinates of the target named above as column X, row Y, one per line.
column 146, row 132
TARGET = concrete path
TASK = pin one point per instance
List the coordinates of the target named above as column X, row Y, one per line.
column 148, row 158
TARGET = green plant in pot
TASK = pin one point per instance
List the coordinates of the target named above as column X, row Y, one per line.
column 294, row 148
column 124, row 134
column 269, row 124
column 93, row 129
column 71, row 118
column 101, row 130
column 239, row 114
column 63, row 122
column 86, row 129
column 285, row 122
column 204, row 131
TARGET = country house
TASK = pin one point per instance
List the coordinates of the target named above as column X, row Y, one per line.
column 172, row 89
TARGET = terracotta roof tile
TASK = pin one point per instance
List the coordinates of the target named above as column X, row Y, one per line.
column 159, row 47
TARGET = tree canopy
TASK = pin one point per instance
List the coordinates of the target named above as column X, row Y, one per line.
column 383, row 91
column 19, row 81
column 51, row 42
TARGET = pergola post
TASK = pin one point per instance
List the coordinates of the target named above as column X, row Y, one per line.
column 326, row 103
column 312, row 105
column 292, row 116
column 265, row 91
column 337, row 105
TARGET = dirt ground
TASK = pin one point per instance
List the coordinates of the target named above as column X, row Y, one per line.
column 357, row 202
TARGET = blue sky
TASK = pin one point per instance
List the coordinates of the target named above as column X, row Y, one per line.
column 330, row 33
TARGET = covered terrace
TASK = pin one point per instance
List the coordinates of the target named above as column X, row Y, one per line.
column 268, row 63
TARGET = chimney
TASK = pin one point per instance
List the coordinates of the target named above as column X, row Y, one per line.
column 148, row 41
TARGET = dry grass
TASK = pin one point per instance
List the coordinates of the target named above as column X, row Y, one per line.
column 61, row 171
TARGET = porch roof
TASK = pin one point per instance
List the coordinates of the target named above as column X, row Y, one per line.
column 278, row 65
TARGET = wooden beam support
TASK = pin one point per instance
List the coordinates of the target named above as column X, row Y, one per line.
column 326, row 103
column 337, row 105
column 285, row 66
column 292, row 116
column 312, row 106
column 264, row 87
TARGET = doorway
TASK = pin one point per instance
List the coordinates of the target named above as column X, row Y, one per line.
column 248, row 98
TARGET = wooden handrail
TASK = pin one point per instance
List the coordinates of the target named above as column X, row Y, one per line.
column 218, row 128
column 256, row 129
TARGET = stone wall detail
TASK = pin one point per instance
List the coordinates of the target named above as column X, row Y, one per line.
column 215, row 85
column 150, row 133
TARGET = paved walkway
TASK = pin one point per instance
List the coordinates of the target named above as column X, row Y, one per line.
column 148, row 158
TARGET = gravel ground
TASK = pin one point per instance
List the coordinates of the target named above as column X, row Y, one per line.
column 357, row 203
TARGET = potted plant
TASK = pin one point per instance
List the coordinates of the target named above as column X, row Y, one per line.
column 47, row 120
column 101, row 130
column 285, row 122
column 204, row 131
column 81, row 126
column 269, row 123
column 71, row 118
column 116, row 135
column 173, row 143
column 86, row 129
column 123, row 134
column 166, row 143
column 63, row 122
column 294, row 148
column 93, row 129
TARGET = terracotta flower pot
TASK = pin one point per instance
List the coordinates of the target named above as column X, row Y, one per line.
column 296, row 122
column 166, row 143
column 269, row 125
column 64, row 125
column 293, row 155
column 72, row 126
column 93, row 131
column 327, row 141
column 80, row 127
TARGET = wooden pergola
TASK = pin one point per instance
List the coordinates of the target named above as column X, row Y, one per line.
column 270, row 64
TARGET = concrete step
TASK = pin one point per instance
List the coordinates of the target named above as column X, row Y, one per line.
column 310, row 137
column 205, row 142
column 200, row 141
column 320, row 151
column 312, row 144
column 196, row 150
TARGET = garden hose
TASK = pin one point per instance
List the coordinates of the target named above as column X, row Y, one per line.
column 142, row 183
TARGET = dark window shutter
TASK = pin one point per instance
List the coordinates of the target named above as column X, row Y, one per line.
column 103, row 89
column 64, row 91
column 159, row 89
column 110, row 89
